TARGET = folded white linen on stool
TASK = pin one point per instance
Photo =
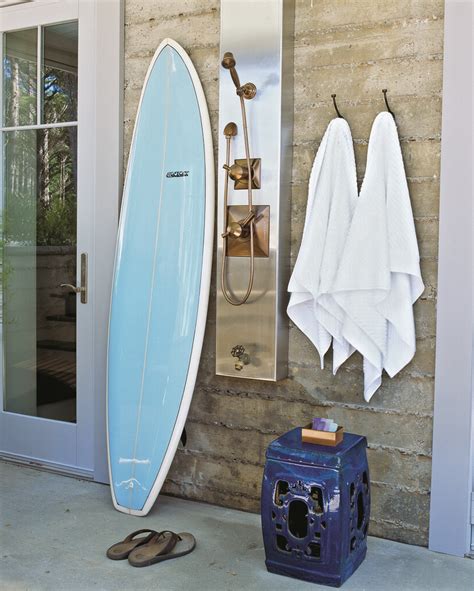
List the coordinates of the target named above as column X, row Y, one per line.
column 332, row 196
column 379, row 278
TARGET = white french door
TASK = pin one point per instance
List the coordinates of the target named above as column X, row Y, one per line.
column 50, row 311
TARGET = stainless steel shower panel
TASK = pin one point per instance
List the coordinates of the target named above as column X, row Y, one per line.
column 259, row 33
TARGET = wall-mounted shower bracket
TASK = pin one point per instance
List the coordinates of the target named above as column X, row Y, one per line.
column 239, row 174
column 240, row 246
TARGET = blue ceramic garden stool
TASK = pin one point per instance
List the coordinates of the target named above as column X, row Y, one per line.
column 315, row 508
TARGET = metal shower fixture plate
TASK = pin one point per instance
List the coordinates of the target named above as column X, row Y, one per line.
column 240, row 247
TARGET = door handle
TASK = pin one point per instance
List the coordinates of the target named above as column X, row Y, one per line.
column 82, row 289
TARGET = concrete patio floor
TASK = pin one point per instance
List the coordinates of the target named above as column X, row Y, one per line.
column 55, row 530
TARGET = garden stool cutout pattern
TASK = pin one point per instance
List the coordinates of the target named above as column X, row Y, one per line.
column 315, row 508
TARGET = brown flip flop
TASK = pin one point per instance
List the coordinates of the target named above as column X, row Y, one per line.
column 162, row 546
column 121, row 550
column 185, row 545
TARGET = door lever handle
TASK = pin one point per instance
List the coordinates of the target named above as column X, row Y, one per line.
column 83, row 288
column 72, row 287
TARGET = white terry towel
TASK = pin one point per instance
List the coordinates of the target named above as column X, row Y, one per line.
column 379, row 277
column 332, row 196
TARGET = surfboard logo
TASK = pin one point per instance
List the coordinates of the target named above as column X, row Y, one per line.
column 177, row 173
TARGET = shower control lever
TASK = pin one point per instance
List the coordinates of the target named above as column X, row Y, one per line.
column 237, row 172
column 243, row 358
column 241, row 228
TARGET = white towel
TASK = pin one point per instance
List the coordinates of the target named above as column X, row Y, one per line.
column 379, row 277
column 332, row 196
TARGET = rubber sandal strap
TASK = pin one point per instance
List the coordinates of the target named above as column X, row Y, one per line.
column 187, row 543
column 161, row 544
column 130, row 537
column 173, row 539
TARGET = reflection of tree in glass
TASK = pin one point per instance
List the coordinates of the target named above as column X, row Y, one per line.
column 40, row 186
column 57, row 166
column 5, row 268
column 20, row 187
column 41, row 171
column 60, row 95
column 19, row 89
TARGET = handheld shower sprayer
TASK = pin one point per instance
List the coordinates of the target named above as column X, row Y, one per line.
column 248, row 90
column 244, row 227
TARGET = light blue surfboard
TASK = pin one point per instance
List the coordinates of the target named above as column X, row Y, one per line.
column 161, row 280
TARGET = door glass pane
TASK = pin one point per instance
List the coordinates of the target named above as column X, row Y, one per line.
column 39, row 253
column 60, row 73
column 19, row 78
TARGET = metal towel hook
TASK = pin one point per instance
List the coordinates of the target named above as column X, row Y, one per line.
column 333, row 96
column 384, row 90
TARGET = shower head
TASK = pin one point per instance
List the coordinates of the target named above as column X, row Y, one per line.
column 228, row 60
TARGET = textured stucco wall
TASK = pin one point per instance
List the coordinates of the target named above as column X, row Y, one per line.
column 355, row 49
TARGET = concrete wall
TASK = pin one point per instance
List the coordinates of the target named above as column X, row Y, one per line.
column 355, row 49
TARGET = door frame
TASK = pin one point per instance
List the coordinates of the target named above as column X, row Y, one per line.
column 452, row 468
column 100, row 180
column 108, row 47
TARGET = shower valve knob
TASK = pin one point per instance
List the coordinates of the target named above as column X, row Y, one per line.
column 237, row 351
column 237, row 172
column 243, row 358
column 236, row 230
column 240, row 229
